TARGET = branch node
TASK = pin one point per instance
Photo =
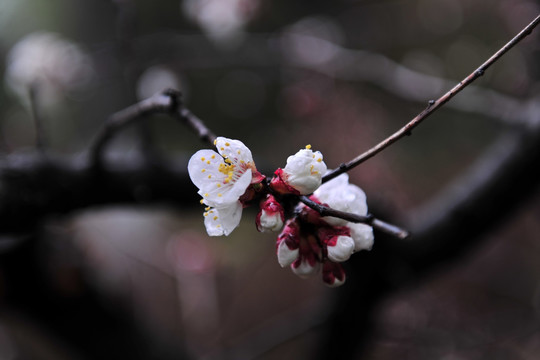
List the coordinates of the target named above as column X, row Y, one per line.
column 479, row 72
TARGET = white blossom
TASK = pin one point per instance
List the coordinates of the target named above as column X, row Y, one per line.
column 52, row 64
column 222, row 178
column 362, row 235
column 342, row 249
column 338, row 194
column 302, row 174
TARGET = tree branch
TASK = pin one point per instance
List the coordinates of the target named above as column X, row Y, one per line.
column 432, row 105
column 167, row 102
column 369, row 219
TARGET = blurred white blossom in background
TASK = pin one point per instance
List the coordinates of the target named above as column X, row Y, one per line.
column 49, row 64
column 222, row 20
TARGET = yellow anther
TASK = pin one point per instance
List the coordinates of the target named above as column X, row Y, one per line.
column 311, row 168
column 308, row 146
column 313, row 156
column 213, row 156
column 222, row 148
column 207, row 208
column 203, row 170
column 239, row 152
column 220, row 195
column 227, row 144
column 209, row 176
column 201, row 201
column 319, row 160
column 215, row 218
column 218, row 226
column 208, row 162
column 202, row 159
column 215, row 142
column 218, row 185
column 205, row 214
column 205, row 194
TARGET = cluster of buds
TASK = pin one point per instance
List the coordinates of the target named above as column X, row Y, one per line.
column 310, row 242
column 228, row 181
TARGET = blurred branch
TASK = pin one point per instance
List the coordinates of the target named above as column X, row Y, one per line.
column 368, row 219
column 33, row 94
column 432, row 106
column 33, row 187
column 168, row 102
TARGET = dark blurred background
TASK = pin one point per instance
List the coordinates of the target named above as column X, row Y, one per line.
column 145, row 281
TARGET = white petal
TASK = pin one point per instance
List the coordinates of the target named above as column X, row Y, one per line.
column 305, row 270
column 342, row 250
column 235, row 150
column 224, row 220
column 304, row 171
column 340, row 195
column 203, row 169
column 270, row 222
column 227, row 193
column 285, row 255
column 362, row 235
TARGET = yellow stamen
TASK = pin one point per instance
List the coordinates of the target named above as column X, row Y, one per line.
column 205, row 214
column 215, row 218
column 215, row 142
column 203, row 170
column 218, row 185
column 319, row 160
column 227, row 144
column 209, row 176
column 208, row 162
column 222, row 148
column 201, row 201
column 213, row 156
column 308, row 146
column 219, row 195
column 202, row 159
column 205, row 194
column 207, row 208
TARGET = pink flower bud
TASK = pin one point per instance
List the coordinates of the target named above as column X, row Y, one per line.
column 271, row 216
column 288, row 243
column 333, row 274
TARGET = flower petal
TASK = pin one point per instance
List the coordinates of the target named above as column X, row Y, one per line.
column 203, row 169
column 235, row 150
column 340, row 195
column 222, row 221
column 362, row 235
column 305, row 268
column 342, row 250
column 304, row 171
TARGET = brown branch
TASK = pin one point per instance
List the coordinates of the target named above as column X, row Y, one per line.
column 167, row 102
column 432, row 105
column 368, row 219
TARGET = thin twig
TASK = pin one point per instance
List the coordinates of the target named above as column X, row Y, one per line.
column 432, row 105
column 41, row 141
column 368, row 219
column 167, row 102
